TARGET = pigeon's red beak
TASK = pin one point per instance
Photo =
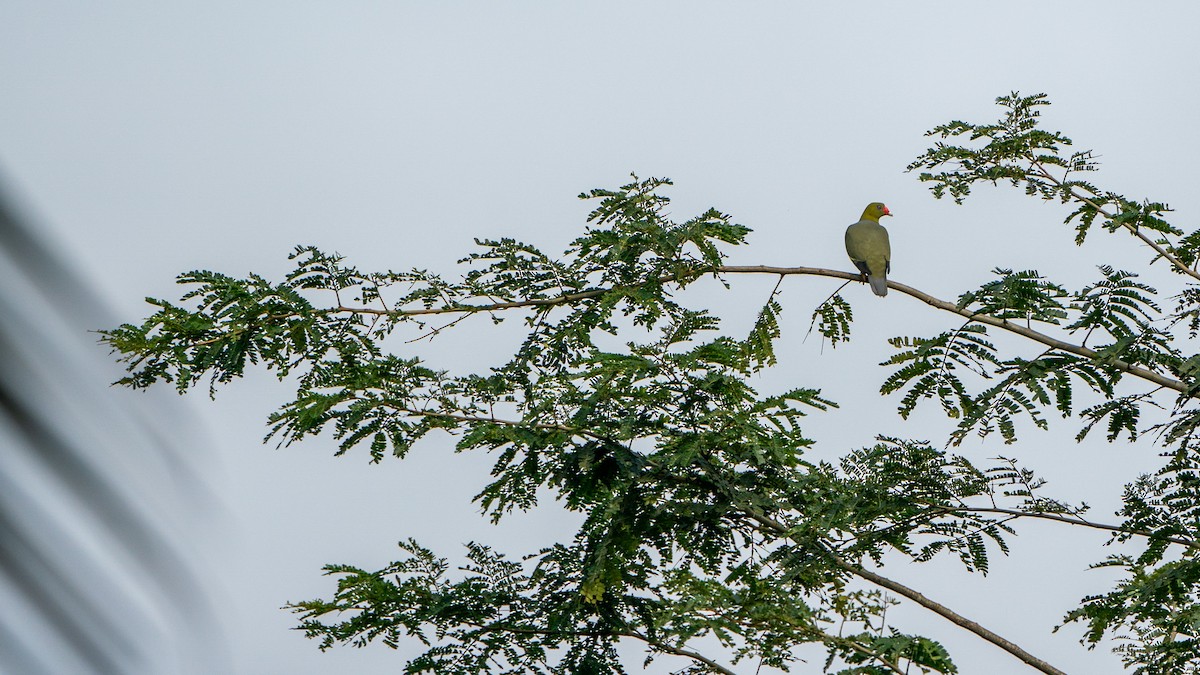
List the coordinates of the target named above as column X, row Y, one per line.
column 886, row 211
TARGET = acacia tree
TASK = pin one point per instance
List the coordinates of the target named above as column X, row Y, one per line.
column 702, row 516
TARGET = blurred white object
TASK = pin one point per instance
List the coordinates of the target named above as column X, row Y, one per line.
column 103, row 513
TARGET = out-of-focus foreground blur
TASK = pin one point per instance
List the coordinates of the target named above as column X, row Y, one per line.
column 102, row 513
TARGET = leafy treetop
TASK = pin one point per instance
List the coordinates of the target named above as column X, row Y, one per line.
column 703, row 516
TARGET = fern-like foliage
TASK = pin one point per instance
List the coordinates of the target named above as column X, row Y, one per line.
column 760, row 344
column 911, row 498
column 929, row 368
column 1093, row 337
column 1015, row 150
column 1116, row 311
column 759, row 599
column 832, row 319
column 1116, row 304
column 1154, row 611
column 1024, row 296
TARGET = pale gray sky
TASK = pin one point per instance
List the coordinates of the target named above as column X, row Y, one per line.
column 153, row 138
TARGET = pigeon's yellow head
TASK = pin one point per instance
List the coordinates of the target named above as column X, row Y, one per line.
column 875, row 211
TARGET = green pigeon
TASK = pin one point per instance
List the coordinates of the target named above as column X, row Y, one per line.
column 869, row 249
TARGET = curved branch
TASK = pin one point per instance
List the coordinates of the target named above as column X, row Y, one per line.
column 1055, row 343
column 900, row 589
column 949, row 615
column 1165, row 254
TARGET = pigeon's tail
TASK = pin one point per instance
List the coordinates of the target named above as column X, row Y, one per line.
column 878, row 285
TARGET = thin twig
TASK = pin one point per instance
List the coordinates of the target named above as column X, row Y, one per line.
column 435, row 331
column 1075, row 520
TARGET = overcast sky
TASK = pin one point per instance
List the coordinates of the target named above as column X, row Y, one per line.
column 153, row 138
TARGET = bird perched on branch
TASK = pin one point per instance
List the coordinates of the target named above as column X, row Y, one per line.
column 869, row 249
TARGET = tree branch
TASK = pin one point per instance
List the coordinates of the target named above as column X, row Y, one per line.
column 657, row 644
column 1189, row 543
column 948, row 614
column 679, row 651
column 563, row 299
column 495, row 420
column 900, row 589
column 1137, row 371
column 567, row 298
column 1166, row 255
